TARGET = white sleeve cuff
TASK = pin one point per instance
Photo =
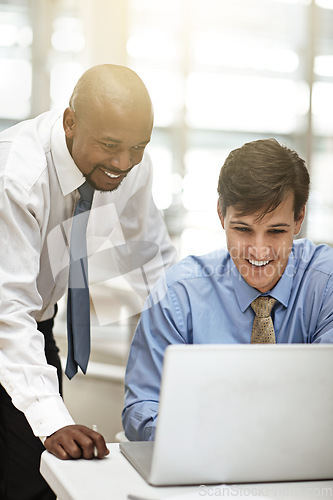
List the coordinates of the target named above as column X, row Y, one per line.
column 48, row 416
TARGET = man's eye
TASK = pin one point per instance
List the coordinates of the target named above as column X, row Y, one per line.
column 242, row 229
column 138, row 148
column 109, row 146
column 277, row 231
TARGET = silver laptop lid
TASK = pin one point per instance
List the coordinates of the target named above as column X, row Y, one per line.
column 244, row 413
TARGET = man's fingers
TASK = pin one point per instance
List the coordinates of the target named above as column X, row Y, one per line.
column 99, row 445
column 64, row 449
column 76, row 441
column 56, row 449
column 59, row 452
column 93, row 445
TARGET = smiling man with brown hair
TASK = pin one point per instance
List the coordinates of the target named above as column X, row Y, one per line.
column 265, row 287
column 263, row 189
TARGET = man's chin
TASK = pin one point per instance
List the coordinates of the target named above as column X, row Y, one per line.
column 106, row 188
column 263, row 285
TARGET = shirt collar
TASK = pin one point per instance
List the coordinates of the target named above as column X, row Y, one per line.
column 69, row 176
column 281, row 292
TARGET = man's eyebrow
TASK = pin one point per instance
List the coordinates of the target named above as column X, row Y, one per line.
column 242, row 223
column 239, row 222
column 280, row 224
column 119, row 141
column 110, row 139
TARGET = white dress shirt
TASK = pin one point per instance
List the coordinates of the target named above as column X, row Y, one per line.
column 38, row 192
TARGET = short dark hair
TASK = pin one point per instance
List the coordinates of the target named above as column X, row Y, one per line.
column 258, row 176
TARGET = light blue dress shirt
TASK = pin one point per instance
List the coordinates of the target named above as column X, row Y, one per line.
column 205, row 300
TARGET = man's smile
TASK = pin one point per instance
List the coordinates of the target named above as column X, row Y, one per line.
column 258, row 263
column 113, row 176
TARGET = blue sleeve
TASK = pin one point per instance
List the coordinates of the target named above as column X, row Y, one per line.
column 162, row 323
column 324, row 328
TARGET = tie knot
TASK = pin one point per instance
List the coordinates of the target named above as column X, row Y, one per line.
column 86, row 192
column 263, row 306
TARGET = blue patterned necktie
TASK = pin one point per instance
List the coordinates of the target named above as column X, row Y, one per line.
column 78, row 304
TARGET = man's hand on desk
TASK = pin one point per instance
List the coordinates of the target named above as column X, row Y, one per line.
column 76, row 441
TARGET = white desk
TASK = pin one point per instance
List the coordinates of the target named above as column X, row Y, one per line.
column 114, row 478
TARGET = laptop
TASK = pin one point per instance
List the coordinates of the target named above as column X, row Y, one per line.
column 241, row 414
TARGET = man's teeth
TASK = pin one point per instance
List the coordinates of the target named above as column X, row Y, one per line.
column 259, row 262
column 113, row 176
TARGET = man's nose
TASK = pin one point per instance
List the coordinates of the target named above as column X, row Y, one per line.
column 259, row 248
column 121, row 160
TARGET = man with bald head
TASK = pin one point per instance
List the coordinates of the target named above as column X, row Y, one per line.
column 98, row 141
column 111, row 115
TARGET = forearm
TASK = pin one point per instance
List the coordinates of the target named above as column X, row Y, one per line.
column 34, row 390
column 139, row 421
column 156, row 330
column 31, row 383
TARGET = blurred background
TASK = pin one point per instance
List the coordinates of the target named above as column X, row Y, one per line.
column 220, row 73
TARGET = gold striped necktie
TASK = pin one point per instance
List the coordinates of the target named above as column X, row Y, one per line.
column 263, row 329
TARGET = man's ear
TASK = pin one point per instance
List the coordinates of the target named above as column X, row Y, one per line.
column 299, row 221
column 219, row 212
column 69, row 121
